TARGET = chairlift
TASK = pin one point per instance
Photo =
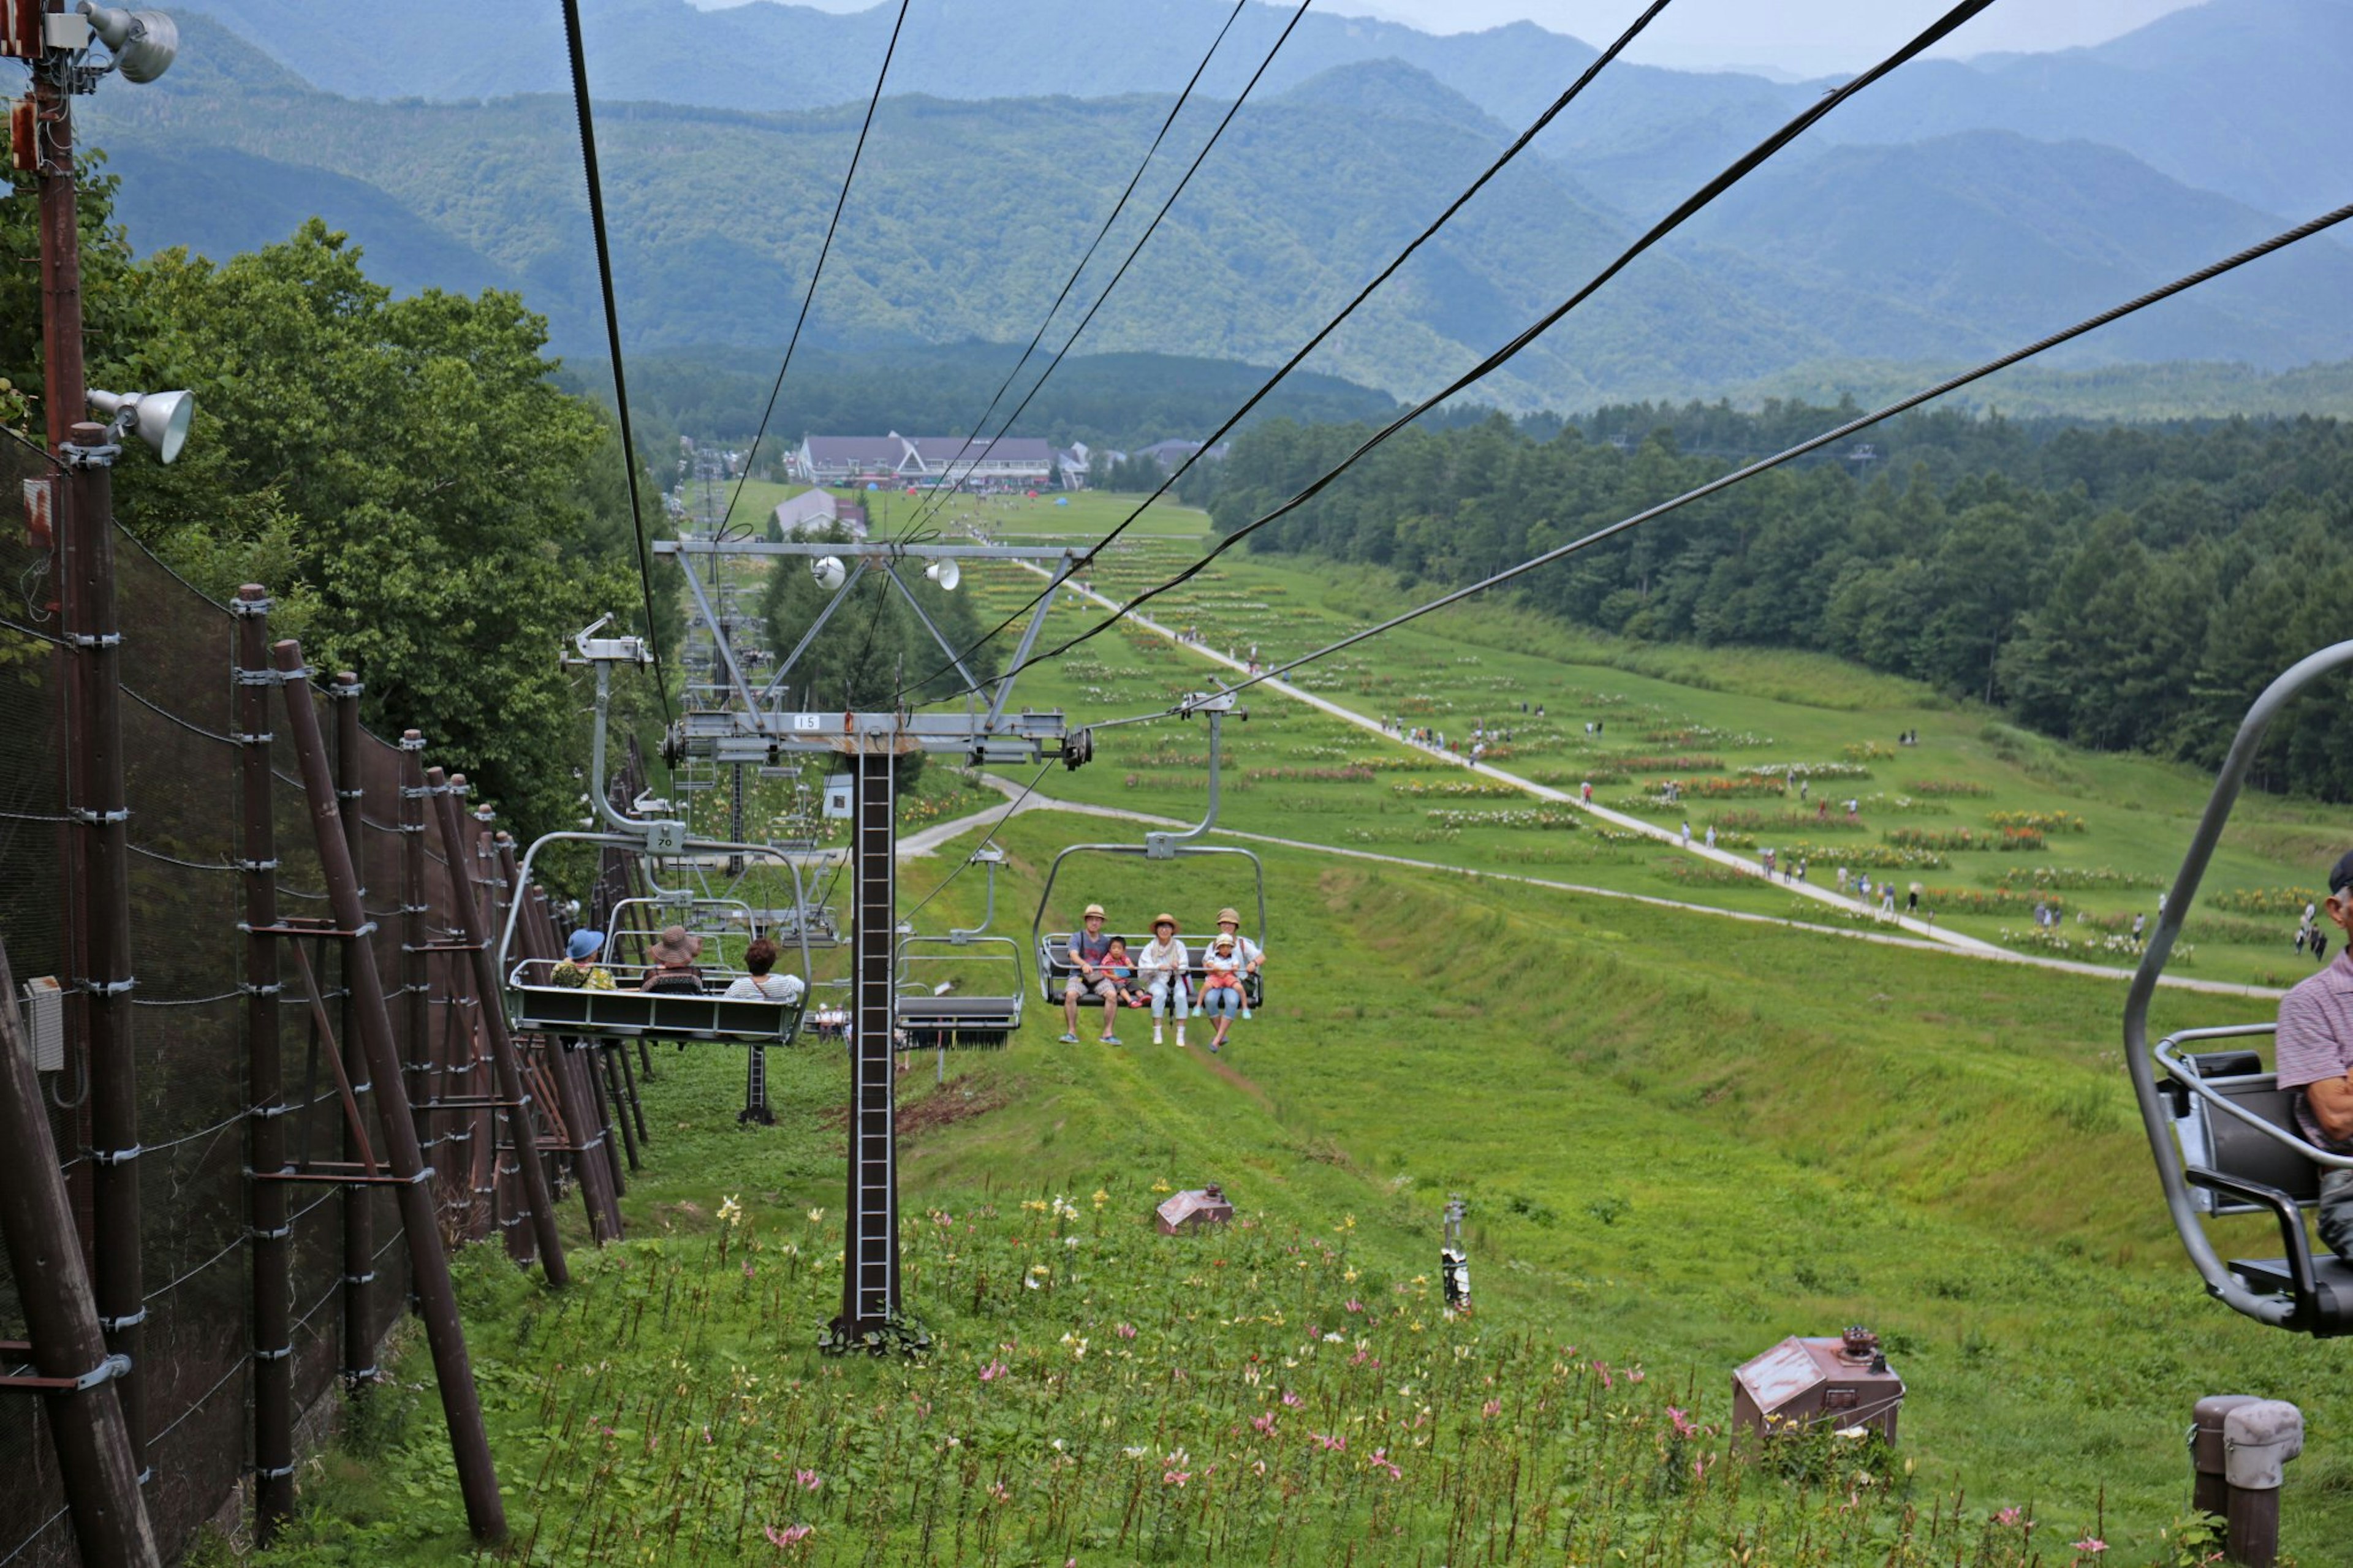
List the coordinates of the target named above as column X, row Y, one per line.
column 1053, row 948
column 941, row 1014
column 2224, row 1132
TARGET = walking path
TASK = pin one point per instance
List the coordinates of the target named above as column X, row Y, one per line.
column 1618, row 820
column 930, row 839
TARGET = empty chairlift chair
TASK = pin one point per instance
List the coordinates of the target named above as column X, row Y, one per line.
column 2224, row 1132
column 975, row 999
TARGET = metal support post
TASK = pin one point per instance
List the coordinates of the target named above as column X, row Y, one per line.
column 423, row 1083
column 79, row 1378
column 429, row 1264
column 359, row 1202
column 503, row 1062
column 273, row 1238
column 101, row 842
column 870, row 1277
column 2259, row 1438
column 2209, row 1493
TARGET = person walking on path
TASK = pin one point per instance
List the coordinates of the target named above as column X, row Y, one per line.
column 1711, row 835
column 1686, row 835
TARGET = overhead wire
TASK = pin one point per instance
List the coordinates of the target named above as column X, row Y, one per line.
column 1536, row 127
column 584, row 114
column 840, row 200
column 1149, row 230
column 1746, row 164
column 1103, row 233
column 1812, row 444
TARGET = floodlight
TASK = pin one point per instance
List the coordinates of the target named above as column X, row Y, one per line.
column 161, row 418
column 947, row 573
column 828, row 572
column 145, row 43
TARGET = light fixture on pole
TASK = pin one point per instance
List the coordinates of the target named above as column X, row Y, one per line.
column 947, row 573
column 144, row 43
column 828, row 572
column 161, row 418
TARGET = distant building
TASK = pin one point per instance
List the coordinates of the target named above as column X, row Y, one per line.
column 1168, row 454
column 1072, row 463
column 932, row 461
column 813, row 512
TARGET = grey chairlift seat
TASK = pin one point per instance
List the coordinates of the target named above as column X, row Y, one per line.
column 930, row 1019
column 2222, row 1132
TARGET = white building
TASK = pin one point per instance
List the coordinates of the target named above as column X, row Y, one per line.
column 1011, row 462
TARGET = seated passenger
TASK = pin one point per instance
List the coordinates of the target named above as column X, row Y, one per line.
column 1230, row 923
column 759, row 986
column 1121, row 970
column 1221, row 984
column 1089, row 948
column 672, row 969
column 578, row 969
column 1163, row 972
column 2316, row 1055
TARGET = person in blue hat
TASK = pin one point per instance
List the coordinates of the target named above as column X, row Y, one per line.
column 579, row 969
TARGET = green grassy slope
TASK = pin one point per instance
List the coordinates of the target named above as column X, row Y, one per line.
column 1676, row 1146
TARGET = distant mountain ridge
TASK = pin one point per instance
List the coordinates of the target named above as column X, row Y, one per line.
column 1955, row 243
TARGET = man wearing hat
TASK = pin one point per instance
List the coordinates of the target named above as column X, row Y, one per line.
column 2316, row 1055
column 1229, row 923
column 1089, row 948
column 1162, row 969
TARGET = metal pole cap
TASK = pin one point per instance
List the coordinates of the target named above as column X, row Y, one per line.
column 2206, row 1431
column 2258, row 1440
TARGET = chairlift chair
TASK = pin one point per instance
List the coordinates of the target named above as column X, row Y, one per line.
column 2224, row 1132
column 929, row 1017
column 1053, row 948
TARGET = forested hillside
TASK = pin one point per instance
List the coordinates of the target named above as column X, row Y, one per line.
column 2124, row 588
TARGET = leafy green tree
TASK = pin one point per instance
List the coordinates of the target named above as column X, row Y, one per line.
column 425, row 503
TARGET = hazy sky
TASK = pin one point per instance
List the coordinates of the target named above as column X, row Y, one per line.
column 1799, row 37
column 1805, row 37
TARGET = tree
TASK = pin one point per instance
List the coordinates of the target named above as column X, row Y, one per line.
column 408, row 480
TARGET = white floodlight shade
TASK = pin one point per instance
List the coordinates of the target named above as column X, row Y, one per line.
column 828, row 572
column 160, row 418
column 145, row 43
column 947, row 573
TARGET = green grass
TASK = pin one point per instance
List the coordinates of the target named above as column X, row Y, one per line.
column 1478, row 663
column 1678, row 1144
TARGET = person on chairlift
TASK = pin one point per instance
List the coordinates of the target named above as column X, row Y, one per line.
column 759, row 984
column 1229, row 923
column 673, row 968
column 1089, row 949
column 2315, row 1053
column 1162, row 969
column 1221, row 984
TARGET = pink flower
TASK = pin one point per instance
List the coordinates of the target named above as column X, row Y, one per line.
column 810, row 1479
column 2006, row 1516
column 1490, row 1410
column 993, row 1371
column 1602, row 1367
column 1291, row 1400
column 747, row 1269
column 1681, row 1418
column 1174, row 1478
column 1264, row 1423
column 1636, row 1375
column 1125, row 1330
column 2091, row 1546
column 1331, row 1443
column 1354, row 1305
column 792, row 1535
column 1381, row 1460
column 706, row 1437
column 997, row 1491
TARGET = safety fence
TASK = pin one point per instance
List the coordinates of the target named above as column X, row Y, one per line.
column 156, row 1140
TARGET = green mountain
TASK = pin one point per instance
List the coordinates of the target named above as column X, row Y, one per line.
column 968, row 216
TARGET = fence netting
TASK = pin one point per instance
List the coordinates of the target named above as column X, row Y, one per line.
column 348, row 1281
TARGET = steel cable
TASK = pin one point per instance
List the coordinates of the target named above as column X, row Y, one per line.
column 1741, row 169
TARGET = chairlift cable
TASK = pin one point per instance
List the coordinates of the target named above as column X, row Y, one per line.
column 1584, row 80
column 1741, row 169
column 1813, row 444
column 1149, row 230
column 1102, row 234
column 1007, row 815
column 582, row 112
column 824, row 249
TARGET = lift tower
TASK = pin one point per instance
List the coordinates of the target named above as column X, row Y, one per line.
column 756, row 725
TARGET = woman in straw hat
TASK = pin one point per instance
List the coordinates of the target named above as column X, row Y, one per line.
column 1089, row 949
column 1163, row 966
